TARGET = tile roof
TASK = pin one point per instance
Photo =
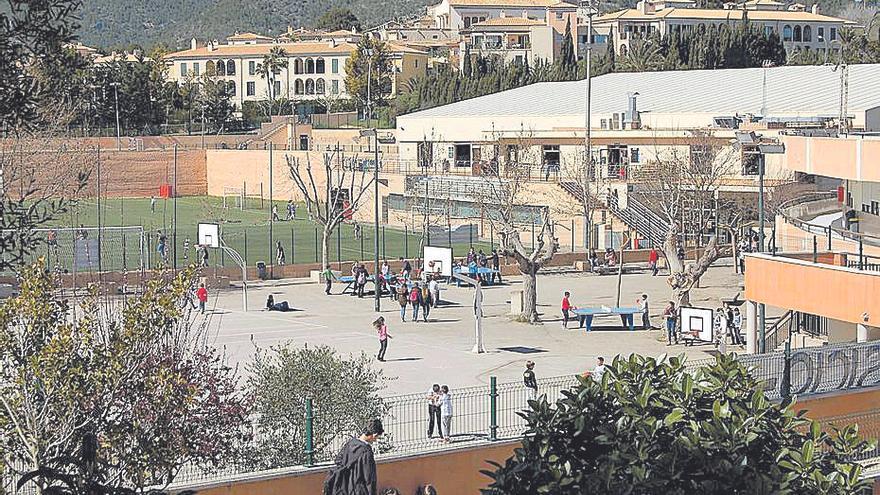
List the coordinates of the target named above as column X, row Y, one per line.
column 258, row 50
column 505, row 3
column 248, row 37
column 508, row 21
column 721, row 14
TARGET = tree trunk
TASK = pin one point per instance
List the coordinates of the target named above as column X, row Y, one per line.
column 530, row 292
column 325, row 248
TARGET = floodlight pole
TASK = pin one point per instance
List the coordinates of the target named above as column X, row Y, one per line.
column 588, row 126
column 378, row 303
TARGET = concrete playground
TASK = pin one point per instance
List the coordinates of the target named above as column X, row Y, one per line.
column 440, row 350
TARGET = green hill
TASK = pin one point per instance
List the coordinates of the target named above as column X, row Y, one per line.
column 113, row 23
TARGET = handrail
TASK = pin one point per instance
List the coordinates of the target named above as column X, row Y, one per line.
column 772, row 338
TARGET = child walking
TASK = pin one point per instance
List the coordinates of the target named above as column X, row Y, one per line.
column 382, row 330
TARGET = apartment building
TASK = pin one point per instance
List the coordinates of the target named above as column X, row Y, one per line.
column 798, row 28
column 457, row 15
column 315, row 69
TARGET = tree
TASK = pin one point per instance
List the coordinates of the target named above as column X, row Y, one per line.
column 269, row 69
column 642, row 56
column 338, row 18
column 344, row 391
column 30, row 31
column 377, row 65
column 505, row 193
column 216, row 102
column 333, row 196
column 681, row 183
column 132, row 391
column 653, row 426
column 567, row 59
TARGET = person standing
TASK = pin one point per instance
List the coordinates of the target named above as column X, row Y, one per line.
column 279, row 253
column 670, row 314
column 354, row 471
column 406, row 270
column 204, row 256
column 202, row 295
column 434, row 286
column 530, row 381
column 415, row 300
column 160, row 244
column 434, row 411
column 599, row 370
column 402, row 297
column 445, row 413
column 329, row 277
column 275, row 217
column 566, row 307
column 361, row 280
column 496, row 266
column 152, row 204
column 426, row 302
column 382, row 331
column 653, row 258
column 643, row 309
column 186, row 250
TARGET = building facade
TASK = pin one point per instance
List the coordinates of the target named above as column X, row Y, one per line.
column 799, row 29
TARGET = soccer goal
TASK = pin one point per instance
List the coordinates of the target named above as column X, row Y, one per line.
column 233, row 197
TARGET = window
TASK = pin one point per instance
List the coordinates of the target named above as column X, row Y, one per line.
column 634, row 155
column 298, row 87
column 604, row 124
column 221, row 68
column 183, row 69
column 319, row 66
column 310, row 66
column 334, row 66
column 833, row 34
column 251, row 88
column 310, row 87
column 230, row 88
column 195, row 68
column 252, row 68
column 820, row 34
column 319, row 87
column 467, row 22
column 210, row 68
column 551, row 155
column 786, row 33
column 482, row 19
column 434, row 37
column 559, row 16
column 768, row 30
column 276, row 88
column 797, row 34
column 230, row 68
column 334, row 87
column 417, row 63
column 808, row 34
column 875, row 208
column 298, row 66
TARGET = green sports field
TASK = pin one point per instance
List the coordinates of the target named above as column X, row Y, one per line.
column 245, row 230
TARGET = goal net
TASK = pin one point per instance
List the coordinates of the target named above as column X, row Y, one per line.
column 92, row 249
column 233, row 197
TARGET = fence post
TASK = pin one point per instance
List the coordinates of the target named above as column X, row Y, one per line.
column 292, row 248
column 785, row 386
column 310, row 445
column 572, row 235
column 829, row 237
column 471, row 235
column 815, row 250
column 316, row 247
column 406, row 241
column 362, row 244
column 493, row 408
column 384, row 253
column 861, row 254
column 339, row 246
column 491, row 237
column 245, row 248
column 533, row 234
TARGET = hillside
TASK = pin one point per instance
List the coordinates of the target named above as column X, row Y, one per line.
column 110, row 23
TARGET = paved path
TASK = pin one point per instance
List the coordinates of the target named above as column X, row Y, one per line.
column 439, row 351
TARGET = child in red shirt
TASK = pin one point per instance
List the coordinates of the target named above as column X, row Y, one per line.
column 566, row 307
column 202, row 295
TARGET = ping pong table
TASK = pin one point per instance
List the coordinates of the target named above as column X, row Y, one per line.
column 484, row 272
column 585, row 316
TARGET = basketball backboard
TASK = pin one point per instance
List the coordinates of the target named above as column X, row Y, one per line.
column 209, row 235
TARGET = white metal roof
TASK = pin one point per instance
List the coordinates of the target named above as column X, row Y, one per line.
column 791, row 91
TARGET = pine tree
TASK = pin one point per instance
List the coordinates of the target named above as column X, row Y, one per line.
column 466, row 68
column 567, row 59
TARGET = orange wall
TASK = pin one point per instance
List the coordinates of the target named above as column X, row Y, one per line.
column 452, row 472
column 824, row 290
column 833, row 157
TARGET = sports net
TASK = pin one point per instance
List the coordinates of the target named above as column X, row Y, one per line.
column 242, row 198
column 92, row 249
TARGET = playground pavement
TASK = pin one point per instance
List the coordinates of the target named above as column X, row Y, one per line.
column 439, row 351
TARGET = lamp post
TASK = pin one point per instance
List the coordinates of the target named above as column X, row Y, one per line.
column 590, row 8
column 116, row 96
column 366, row 133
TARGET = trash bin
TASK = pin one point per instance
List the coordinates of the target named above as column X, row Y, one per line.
column 262, row 273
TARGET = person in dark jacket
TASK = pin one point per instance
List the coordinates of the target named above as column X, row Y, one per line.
column 354, row 472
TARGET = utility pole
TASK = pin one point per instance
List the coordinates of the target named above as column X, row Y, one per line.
column 588, row 155
column 116, row 95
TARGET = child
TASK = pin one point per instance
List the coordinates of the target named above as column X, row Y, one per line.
column 202, row 294
column 402, row 296
column 382, row 330
column 566, row 307
column 415, row 300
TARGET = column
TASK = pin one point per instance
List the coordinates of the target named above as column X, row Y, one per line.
column 751, row 324
column 861, row 333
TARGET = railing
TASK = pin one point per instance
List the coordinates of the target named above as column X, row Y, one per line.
column 777, row 334
column 639, row 217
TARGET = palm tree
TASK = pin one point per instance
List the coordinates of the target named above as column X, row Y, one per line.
column 642, row 56
column 269, row 68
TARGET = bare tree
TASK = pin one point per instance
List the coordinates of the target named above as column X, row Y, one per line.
column 335, row 196
column 682, row 183
column 505, row 195
column 41, row 172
